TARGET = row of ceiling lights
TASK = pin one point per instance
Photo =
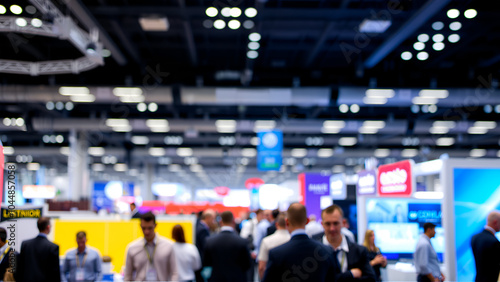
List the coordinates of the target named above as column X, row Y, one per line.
column 438, row 38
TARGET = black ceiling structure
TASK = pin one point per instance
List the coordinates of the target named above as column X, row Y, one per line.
column 310, row 52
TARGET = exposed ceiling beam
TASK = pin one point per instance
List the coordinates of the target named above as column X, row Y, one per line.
column 319, row 43
column 126, row 42
column 407, row 29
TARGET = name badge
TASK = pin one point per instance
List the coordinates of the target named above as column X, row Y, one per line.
column 79, row 274
column 151, row 274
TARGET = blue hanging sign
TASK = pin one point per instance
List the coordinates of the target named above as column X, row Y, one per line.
column 269, row 150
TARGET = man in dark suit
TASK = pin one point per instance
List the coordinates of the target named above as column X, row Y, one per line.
column 39, row 258
column 203, row 225
column 134, row 211
column 300, row 259
column 7, row 257
column 486, row 250
column 227, row 253
column 271, row 229
column 353, row 258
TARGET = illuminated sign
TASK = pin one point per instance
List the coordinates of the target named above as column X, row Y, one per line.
column 338, row 189
column 395, row 179
column 14, row 214
column 39, row 191
column 367, row 182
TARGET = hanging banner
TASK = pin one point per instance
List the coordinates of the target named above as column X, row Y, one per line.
column 338, row 188
column 395, row 179
column 2, row 163
column 269, row 150
column 315, row 192
column 367, row 182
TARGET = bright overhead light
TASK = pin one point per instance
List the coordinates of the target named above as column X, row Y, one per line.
column 348, row 141
column 184, row 152
column 82, row 98
column 485, row 124
column 334, row 124
column 249, row 152
column 211, row 12
column 298, row 153
column 248, row 24
column 226, row 126
column 423, row 37
column 470, row 13
column 96, row 151
column 438, row 46
column 424, row 100
column 16, row 9
column 7, row 150
column 153, row 107
column 438, row 37
column 254, row 36
column 154, row 23
column 69, row 91
column 380, row 93
column 419, row 46
column 455, row 26
column 106, row 53
column 140, row 140
column 477, row 153
column 374, row 26
column 437, row 25
column 33, row 166
column 69, row 106
column 234, row 24
column 157, row 123
column 364, row 130
column 117, row 122
column 127, row 128
column 445, row 141
column 434, row 93
column 406, row 55
column 422, row 56
column 251, row 12
column 374, row 101
column 377, row 124
column 219, row 24
column 476, row 130
column 19, row 121
column 354, row 108
column 454, row 38
column 127, row 91
column 343, row 108
column 254, row 141
column 325, row 153
column 382, row 153
column 156, row 151
column 252, row 54
column 409, row 153
column 3, row 10
column 253, row 45
column 444, row 123
column 120, row 167
column 235, row 12
column 433, row 108
column 64, row 151
column 225, row 12
column 36, row 22
column 98, row 167
column 453, row 13
column 261, row 125
column 142, row 107
column 21, row 22
column 132, row 99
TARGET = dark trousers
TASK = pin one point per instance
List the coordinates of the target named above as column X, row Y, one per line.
column 423, row 278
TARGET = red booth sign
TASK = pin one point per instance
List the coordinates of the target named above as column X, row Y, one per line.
column 221, row 190
column 395, row 179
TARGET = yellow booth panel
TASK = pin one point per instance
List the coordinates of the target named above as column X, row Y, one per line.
column 111, row 237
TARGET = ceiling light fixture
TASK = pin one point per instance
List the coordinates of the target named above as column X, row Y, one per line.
column 348, row 141
column 453, row 13
column 406, row 56
column 251, row 12
column 470, row 13
column 211, row 12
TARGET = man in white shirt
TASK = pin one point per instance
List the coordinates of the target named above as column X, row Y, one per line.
column 150, row 258
column 313, row 227
column 278, row 238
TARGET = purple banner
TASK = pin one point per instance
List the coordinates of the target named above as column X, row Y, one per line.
column 367, row 182
column 317, row 193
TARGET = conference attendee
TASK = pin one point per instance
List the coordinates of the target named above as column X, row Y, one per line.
column 7, row 256
column 301, row 258
column 187, row 256
column 486, row 249
column 39, row 258
column 377, row 260
column 313, row 227
column 203, row 229
column 261, row 231
column 134, row 211
column 272, row 228
column 82, row 263
column 279, row 237
column 227, row 253
column 352, row 258
column 151, row 258
column 426, row 261
column 345, row 230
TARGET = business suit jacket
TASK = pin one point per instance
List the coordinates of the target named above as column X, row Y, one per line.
column 357, row 257
column 486, row 250
column 271, row 229
column 6, row 263
column 164, row 260
column 202, row 234
column 38, row 261
column 229, row 257
column 301, row 259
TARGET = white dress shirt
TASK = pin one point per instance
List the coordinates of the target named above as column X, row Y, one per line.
column 187, row 260
column 278, row 238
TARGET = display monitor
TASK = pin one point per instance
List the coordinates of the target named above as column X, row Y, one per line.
column 398, row 224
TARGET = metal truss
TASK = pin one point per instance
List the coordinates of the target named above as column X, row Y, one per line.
column 62, row 27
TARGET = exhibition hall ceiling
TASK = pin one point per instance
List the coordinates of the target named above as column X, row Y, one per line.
column 344, row 80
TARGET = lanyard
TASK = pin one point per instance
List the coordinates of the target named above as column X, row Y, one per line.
column 150, row 257
column 5, row 253
column 342, row 262
column 78, row 260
